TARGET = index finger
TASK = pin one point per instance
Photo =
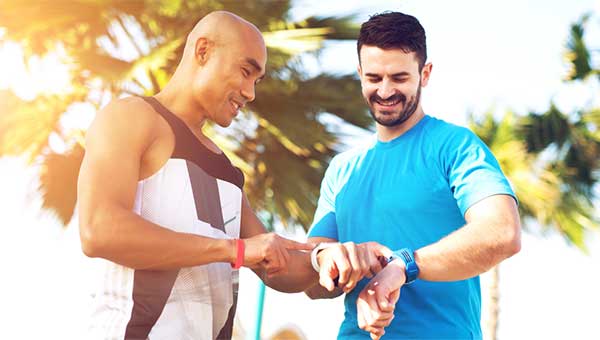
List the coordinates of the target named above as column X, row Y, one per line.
column 291, row 244
column 374, row 264
column 382, row 250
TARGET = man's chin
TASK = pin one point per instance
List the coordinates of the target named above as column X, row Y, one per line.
column 224, row 124
column 387, row 119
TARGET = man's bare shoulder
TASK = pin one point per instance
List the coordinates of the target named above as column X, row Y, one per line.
column 130, row 111
column 122, row 120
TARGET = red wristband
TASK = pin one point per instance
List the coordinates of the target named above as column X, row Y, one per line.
column 239, row 260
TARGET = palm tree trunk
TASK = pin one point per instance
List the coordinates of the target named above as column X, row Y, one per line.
column 491, row 327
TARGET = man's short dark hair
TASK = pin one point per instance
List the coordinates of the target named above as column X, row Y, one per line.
column 394, row 30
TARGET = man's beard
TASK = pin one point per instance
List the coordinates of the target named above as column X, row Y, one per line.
column 408, row 108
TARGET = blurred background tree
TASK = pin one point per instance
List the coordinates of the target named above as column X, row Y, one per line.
column 552, row 159
column 116, row 48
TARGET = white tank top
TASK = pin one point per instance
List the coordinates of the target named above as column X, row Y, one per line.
column 196, row 192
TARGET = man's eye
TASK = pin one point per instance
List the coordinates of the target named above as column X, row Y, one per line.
column 245, row 72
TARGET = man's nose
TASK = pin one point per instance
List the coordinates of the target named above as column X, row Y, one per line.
column 385, row 90
column 249, row 93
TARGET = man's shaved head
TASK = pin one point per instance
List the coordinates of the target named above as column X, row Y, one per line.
column 223, row 59
column 222, row 29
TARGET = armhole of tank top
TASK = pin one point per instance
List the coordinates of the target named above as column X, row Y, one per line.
column 172, row 122
column 184, row 138
column 139, row 195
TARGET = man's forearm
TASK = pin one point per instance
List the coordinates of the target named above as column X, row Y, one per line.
column 468, row 252
column 132, row 241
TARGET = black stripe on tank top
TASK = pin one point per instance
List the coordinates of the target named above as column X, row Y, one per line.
column 151, row 289
column 188, row 147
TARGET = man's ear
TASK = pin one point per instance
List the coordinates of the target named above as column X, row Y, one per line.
column 202, row 50
column 425, row 74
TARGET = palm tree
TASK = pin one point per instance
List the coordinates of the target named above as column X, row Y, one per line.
column 115, row 48
column 553, row 161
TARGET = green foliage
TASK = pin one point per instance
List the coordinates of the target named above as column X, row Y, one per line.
column 577, row 53
column 59, row 179
column 553, row 158
column 552, row 186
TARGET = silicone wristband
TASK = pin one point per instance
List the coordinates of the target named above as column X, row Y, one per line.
column 239, row 260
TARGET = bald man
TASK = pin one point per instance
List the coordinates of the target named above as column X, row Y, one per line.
column 164, row 207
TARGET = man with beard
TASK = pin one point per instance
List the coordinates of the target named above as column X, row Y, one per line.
column 429, row 190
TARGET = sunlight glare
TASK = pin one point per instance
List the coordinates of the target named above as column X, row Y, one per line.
column 43, row 75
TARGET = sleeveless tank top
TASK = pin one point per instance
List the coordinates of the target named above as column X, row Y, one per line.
column 197, row 192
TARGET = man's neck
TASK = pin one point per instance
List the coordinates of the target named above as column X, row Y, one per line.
column 387, row 133
column 182, row 105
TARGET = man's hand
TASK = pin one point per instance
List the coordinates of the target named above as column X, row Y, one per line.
column 376, row 302
column 270, row 251
column 350, row 262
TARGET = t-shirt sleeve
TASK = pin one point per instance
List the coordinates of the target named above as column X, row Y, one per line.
column 473, row 171
column 324, row 223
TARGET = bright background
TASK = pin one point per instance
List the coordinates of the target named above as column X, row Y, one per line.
column 486, row 55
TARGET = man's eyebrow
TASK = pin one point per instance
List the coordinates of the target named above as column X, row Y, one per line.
column 254, row 64
column 399, row 74
column 257, row 67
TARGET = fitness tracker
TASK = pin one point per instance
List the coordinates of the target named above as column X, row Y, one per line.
column 411, row 269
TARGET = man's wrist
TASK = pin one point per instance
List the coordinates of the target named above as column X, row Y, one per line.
column 405, row 257
column 399, row 268
column 314, row 254
column 231, row 249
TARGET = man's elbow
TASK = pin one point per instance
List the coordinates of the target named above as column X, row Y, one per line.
column 91, row 236
column 311, row 295
column 317, row 292
column 89, row 241
column 512, row 242
column 313, row 292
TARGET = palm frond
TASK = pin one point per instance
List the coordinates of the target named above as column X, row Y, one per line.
column 577, row 53
column 58, row 182
column 26, row 126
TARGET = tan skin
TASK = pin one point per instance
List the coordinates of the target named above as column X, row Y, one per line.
column 216, row 77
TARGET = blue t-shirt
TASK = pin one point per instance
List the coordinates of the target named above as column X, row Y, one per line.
column 409, row 193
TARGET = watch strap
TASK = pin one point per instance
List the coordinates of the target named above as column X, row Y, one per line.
column 411, row 269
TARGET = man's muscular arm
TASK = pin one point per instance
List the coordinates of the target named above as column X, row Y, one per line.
column 492, row 234
column 115, row 145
